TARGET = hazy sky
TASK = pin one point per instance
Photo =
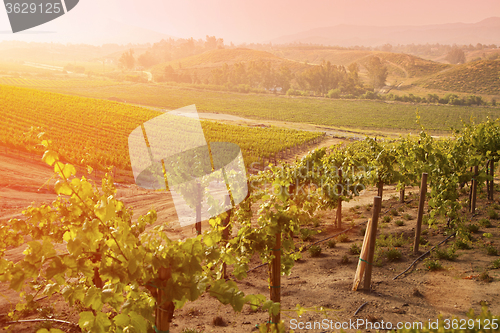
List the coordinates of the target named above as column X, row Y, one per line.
column 255, row 20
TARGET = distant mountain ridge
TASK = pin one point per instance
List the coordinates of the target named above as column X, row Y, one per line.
column 485, row 32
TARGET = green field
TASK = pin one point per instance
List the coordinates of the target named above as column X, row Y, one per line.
column 360, row 114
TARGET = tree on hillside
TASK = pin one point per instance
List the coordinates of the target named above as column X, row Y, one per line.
column 238, row 74
column 221, row 75
column 147, row 59
column 377, row 72
column 284, row 77
column 456, row 56
column 353, row 69
column 127, row 59
column 170, row 74
column 386, row 47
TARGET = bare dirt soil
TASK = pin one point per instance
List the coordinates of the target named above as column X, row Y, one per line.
column 420, row 295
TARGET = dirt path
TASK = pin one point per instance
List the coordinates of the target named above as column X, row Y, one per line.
column 330, row 131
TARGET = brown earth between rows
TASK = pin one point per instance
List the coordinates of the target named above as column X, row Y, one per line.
column 323, row 281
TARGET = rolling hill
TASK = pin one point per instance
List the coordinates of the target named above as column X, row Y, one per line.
column 316, row 54
column 399, row 65
column 477, row 77
column 203, row 64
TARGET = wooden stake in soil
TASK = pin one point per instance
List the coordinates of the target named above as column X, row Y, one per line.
column 423, row 191
column 363, row 257
column 402, row 194
column 474, row 190
column 377, row 205
column 164, row 309
column 339, row 207
column 275, row 287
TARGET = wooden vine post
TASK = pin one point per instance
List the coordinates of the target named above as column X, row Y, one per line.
column 275, row 278
column 198, row 218
column 474, row 190
column 377, row 205
column 164, row 309
column 492, row 183
column 402, row 194
column 490, row 171
column 423, row 191
column 339, row 204
column 225, row 233
column 199, row 195
column 380, row 188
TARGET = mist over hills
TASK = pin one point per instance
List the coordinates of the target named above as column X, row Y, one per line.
column 485, row 32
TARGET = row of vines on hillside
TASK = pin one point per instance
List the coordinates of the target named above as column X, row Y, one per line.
column 95, row 132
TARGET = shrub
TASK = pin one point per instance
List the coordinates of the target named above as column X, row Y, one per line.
column 407, row 217
column 485, row 223
column 369, row 95
column 333, row 93
column 345, row 260
column 448, row 254
column 492, row 214
column 293, row 92
column 331, row 243
column 495, row 264
column 394, row 212
column 377, row 257
column 354, row 249
column 398, row 241
column 315, row 251
column 391, row 241
column 432, row 265
column 462, row 244
column 343, row 238
column 387, row 218
column 362, row 231
column 464, row 233
column 393, row 254
column 399, row 223
column 473, row 227
column 484, row 276
column 219, row 321
column 423, row 241
column 306, row 234
column 495, row 206
column 491, row 250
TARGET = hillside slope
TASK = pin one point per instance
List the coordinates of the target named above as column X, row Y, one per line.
column 203, row 64
column 398, row 64
column 478, row 77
